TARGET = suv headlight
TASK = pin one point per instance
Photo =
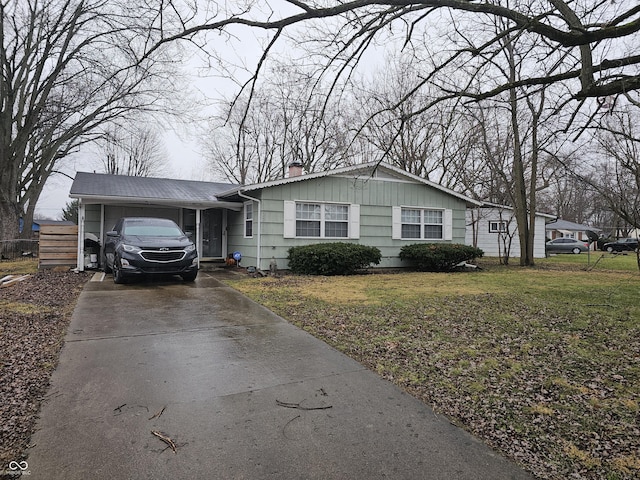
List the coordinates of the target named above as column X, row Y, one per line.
column 130, row 248
column 190, row 248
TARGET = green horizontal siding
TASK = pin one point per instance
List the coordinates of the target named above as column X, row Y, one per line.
column 375, row 197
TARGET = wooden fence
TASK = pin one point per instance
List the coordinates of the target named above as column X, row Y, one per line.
column 58, row 246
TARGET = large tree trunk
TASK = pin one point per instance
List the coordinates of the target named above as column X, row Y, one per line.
column 520, row 198
column 520, row 186
column 9, row 220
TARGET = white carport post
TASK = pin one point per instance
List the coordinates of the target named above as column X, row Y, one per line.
column 198, row 235
column 80, row 258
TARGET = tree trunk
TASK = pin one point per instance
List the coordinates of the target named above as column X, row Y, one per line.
column 520, row 195
column 9, row 220
column 520, row 187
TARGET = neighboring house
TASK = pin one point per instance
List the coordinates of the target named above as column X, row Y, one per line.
column 371, row 204
column 563, row 228
column 493, row 228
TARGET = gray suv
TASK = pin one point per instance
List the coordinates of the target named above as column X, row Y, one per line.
column 146, row 246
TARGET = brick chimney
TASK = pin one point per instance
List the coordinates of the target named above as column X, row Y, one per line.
column 295, row 169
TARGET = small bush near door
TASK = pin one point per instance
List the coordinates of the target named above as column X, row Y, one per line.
column 438, row 257
column 332, row 258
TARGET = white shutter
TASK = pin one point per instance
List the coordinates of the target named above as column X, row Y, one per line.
column 289, row 219
column 354, row 220
column 448, row 224
column 396, row 223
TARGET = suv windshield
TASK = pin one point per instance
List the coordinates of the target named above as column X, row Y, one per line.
column 148, row 229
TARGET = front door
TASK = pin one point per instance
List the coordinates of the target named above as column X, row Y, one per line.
column 212, row 233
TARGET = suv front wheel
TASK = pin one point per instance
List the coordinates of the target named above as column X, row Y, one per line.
column 118, row 276
column 190, row 277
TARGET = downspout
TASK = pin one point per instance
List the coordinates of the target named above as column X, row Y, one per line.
column 258, row 229
column 80, row 255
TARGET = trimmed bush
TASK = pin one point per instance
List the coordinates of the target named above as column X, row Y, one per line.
column 438, row 257
column 332, row 258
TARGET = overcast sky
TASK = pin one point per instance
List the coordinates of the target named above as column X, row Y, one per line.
column 185, row 162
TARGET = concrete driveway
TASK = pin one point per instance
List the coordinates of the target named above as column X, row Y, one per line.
column 241, row 393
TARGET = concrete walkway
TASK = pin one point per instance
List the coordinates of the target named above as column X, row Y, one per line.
column 242, row 394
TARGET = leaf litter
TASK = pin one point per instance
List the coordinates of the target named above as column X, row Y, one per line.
column 548, row 383
column 34, row 316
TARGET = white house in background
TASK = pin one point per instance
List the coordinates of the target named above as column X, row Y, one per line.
column 493, row 228
column 564, row 228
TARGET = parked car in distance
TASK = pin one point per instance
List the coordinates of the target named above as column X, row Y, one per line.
column 566, row 245
column 148, row 246
column 620, row 245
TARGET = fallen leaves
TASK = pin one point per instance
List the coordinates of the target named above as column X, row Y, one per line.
column 553, row 385
column 34, row 315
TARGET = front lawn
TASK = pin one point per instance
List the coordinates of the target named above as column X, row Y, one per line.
column 543, row 364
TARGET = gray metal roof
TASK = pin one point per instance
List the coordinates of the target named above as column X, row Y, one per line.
column 569, row 226
column 99, row 187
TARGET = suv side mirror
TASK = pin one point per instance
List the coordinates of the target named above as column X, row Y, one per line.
column 112, row 233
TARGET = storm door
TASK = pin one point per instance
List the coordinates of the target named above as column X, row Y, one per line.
column 211, row 224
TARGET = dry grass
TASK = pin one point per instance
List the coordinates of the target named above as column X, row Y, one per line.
column 18, row 267
column 543, row 364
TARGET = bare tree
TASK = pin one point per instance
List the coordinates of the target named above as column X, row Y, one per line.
column 570, row 197
column 418, row 144
column 138, row 153
column 315, row 132
column 581, row 33
column 68, row 67
column 244, row 145
column 488, row 176
column 618, row 164
column 255, row 141
column 514, row 131
column 568, row 44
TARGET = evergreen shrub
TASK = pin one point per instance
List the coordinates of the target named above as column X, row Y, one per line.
column 438, row 257
column 336, row 258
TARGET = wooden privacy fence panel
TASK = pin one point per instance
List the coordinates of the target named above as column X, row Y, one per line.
column 58, row 246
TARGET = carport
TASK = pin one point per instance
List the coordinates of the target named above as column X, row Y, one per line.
column 191, row 204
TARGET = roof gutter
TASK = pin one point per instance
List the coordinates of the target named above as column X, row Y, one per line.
column 259, row 227
column 163, row 202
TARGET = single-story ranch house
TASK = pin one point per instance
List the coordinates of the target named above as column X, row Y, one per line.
column 373, row 204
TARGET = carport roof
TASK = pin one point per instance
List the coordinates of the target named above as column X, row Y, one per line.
column 569, row 226
column 106, row 188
